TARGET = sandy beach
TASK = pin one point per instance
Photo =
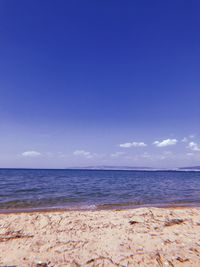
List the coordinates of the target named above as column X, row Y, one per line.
column 136, row 237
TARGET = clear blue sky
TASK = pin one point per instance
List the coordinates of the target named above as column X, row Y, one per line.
column 80, row 79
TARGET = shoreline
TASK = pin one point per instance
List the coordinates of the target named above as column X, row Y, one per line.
column 103, row 207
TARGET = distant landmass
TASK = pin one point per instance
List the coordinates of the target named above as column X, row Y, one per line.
column 111, row 167
column 195, row 168
column 115, row 167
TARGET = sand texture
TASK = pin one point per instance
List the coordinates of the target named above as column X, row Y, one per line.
column 137, row 237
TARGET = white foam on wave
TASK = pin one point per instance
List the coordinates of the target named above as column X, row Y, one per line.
column 88, row 207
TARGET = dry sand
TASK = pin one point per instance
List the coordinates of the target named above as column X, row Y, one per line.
column 137, row 237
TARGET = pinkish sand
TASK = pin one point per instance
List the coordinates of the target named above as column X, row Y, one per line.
column 136, row 237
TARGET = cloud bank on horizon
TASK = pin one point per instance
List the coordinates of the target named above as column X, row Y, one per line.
column 132, row 153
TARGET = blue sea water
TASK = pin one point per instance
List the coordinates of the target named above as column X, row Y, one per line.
column 33, row 189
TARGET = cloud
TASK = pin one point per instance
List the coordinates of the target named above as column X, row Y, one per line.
column 194, row 146
column 166, row 142
column 133, row 144
column 83, row 153
column 186, row 139
column 31, row 153
column 117, row 154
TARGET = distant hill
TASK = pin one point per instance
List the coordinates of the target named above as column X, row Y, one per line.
column 110, row 167
column 195, row 168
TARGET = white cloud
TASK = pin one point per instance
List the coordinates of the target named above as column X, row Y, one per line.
column 194, row 146
column 133, row 144
column 186, row 139
column 117, row 154
column 31, row 153
column 166, row 142
column 83, row 153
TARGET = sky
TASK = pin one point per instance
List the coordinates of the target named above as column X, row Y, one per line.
column 86, row 83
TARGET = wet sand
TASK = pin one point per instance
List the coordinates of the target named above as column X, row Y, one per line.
column 134, row 237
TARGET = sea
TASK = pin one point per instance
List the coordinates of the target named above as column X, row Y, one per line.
column 33, row 189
